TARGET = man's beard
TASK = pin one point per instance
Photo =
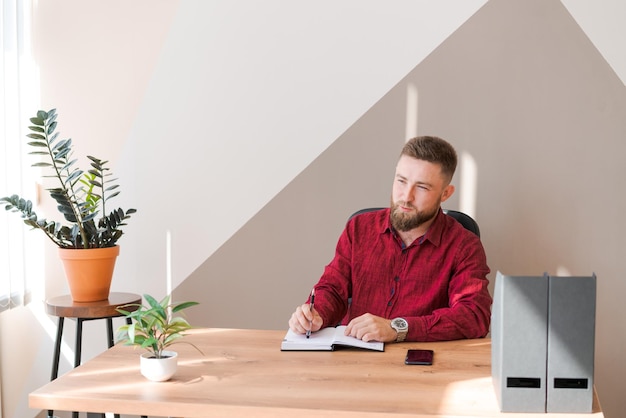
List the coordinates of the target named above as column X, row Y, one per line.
column 403, row 221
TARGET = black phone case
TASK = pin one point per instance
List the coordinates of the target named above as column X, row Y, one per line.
column 419, row 357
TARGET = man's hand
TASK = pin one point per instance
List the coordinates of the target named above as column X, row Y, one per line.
column 368, row 327
column 300, row 320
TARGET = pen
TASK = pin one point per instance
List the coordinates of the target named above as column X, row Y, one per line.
column 308, row 331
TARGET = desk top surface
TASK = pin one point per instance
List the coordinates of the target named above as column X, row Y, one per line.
column 244, row 373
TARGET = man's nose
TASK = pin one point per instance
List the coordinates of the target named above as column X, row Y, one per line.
column 409, row 194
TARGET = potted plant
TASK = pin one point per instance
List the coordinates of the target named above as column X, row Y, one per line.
column 155, row 328
column 81, row 199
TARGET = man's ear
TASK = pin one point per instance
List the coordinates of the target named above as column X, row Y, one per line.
column 447, row 192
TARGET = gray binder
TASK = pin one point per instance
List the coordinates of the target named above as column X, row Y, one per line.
column 571, row 337
column 519, row 342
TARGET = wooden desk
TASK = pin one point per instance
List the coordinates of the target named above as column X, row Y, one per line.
column 243, row 373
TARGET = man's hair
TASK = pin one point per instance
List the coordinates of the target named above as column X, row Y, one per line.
column 435, row 150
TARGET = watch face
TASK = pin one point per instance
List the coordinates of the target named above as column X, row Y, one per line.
column 400, row 323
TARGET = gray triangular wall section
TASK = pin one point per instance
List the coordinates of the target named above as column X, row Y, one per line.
column 514, row 87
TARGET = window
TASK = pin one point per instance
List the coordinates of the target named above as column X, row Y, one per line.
column 18, row 89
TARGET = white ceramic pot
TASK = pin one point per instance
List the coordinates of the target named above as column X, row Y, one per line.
column 159, row 369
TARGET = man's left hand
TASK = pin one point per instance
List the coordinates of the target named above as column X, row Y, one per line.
column 368, row 327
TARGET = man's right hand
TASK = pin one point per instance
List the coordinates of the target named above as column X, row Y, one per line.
column 303, row 319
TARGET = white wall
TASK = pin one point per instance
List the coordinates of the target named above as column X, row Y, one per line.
column 208, row 109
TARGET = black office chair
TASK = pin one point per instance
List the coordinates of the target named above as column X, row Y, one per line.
column 464, row 219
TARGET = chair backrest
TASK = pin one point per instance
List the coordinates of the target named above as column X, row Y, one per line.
column 464, row 219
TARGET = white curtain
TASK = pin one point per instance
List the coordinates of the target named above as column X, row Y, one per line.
column 19, row 92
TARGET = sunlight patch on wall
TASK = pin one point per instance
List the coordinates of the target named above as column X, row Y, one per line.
column 49, row 326
column 411, row 111
column 468, row 184
column 168, row 261
column 563, row 271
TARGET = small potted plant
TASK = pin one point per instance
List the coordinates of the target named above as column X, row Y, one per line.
column 155, row 328
column 81, row 196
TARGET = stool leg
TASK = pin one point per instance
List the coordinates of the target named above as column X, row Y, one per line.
column 79, row 341
column 57, row 350
column 110, row 331
column 78, row 349
column 57, row 354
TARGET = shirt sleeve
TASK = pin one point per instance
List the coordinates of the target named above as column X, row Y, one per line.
column 468, row 313
column 333, row 291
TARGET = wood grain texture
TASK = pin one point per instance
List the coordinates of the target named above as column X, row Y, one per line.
column 64, row 306
column 243, row 373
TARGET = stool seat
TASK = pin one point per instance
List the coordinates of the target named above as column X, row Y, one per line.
column 64, row 307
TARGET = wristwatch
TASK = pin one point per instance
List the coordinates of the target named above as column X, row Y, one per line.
column 401, row 327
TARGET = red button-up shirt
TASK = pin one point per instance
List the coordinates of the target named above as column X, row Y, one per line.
column 438, row 283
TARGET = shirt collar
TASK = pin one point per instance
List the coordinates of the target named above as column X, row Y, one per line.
column 434, row 233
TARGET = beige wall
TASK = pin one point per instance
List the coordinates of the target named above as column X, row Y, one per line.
column 245, row 138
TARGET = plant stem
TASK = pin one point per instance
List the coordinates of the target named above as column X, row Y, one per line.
column 75, row 210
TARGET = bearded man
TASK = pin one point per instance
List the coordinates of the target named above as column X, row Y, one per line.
column 410, row 272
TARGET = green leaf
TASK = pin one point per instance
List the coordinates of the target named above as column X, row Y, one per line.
column 36, row 136
column 171, row 338
column 38, row 121
column 152, row 301
column 131, row 332
column 65, row 209
column 61, row 154
column 184, row 305
column 37, row 144
column 90, row 216
column 95, row 173
column 59, row 144
column 73, row 176
column 67, row 166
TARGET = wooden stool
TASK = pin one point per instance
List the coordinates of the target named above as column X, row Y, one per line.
column 65, row 307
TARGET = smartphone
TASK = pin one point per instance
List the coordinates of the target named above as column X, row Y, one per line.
column 422, row 357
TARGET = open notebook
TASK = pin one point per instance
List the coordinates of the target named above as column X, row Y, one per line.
column 326, row 340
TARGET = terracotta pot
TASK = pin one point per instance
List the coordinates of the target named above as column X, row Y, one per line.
column 89, row 272
column 159, row 369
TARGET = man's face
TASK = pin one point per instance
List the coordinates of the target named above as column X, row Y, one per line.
column 418, row 190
